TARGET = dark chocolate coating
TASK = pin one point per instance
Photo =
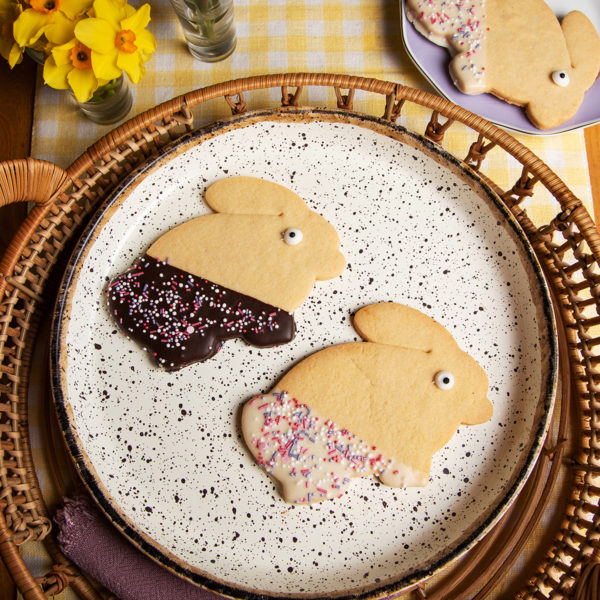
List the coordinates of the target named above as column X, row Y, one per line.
column 181, row 319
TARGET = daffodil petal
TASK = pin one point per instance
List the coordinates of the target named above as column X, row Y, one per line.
column 105, row 65
column 146, row 44
column 60, row 29
column 83, row 82
column 15, row 56
column 74, row 8
column 56, row 76
column 97, row 34
column 138, row 20
column 62, row 54
column 111, row 11
column 30, row 25
column 132, row 65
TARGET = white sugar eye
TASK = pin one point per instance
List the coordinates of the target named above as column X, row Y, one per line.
column 444, row 380
column 292, row 236
column 561, row 78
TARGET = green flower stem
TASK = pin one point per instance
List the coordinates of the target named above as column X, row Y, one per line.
column 204, row 15
column 106, row 91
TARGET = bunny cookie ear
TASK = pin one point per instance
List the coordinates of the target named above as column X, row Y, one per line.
column 583, row 43
column 564, row 94
column 253, row 196
column 398, row 325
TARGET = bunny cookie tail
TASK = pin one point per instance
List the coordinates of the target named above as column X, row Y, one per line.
column 180, row 318
column 462, row 28
column 297, row 448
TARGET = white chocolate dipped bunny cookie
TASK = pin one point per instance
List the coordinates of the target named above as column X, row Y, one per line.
column 517, row 50
column 380, row 407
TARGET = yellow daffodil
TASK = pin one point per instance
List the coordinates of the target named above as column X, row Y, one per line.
column 118, row 39
column 53, row 18
column 70, row 66
column 9, row 49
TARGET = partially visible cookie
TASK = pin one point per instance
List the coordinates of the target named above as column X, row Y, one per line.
column 239, row 272
column 516, row 50
column 382, row 407
column 462, row 28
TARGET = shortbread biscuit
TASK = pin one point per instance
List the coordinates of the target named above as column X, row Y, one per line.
column 516, row 50
column 239, row 272
column 381, row 407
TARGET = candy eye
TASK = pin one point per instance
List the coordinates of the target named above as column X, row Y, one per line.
column 561, row 78
column 444, row 380
column 292, row 236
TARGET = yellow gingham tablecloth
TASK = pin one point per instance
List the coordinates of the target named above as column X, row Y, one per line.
column 355, row 37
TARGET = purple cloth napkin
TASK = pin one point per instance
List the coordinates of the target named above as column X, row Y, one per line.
column 97, row 547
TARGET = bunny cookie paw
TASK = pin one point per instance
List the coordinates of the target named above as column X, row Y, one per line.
column 516, row 50
column 239, row 272
column 380, row 407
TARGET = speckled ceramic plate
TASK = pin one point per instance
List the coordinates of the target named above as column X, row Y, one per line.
column 162, row 452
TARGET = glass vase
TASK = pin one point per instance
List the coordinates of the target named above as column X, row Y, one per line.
column 110, row 103
column 208, row 27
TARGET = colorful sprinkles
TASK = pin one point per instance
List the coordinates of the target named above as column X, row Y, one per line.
column 312, row 457
column 180, row 318
column 462, row 24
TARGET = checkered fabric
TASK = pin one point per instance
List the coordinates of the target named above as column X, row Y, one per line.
column 355, row 37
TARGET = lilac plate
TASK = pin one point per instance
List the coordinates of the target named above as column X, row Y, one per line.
column 433, row 60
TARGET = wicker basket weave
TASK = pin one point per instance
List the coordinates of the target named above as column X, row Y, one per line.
column 568, row 248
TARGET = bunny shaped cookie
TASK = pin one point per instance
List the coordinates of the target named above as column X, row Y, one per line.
column 239, row 272
column 516, row 50
column 381, row 407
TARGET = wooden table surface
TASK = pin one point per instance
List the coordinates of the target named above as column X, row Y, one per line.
column 17, row 91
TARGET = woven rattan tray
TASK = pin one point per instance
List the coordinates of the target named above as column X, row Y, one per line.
column 567, row 247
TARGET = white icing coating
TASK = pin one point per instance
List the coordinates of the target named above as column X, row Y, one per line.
column 461, row 27
column 310, row 456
